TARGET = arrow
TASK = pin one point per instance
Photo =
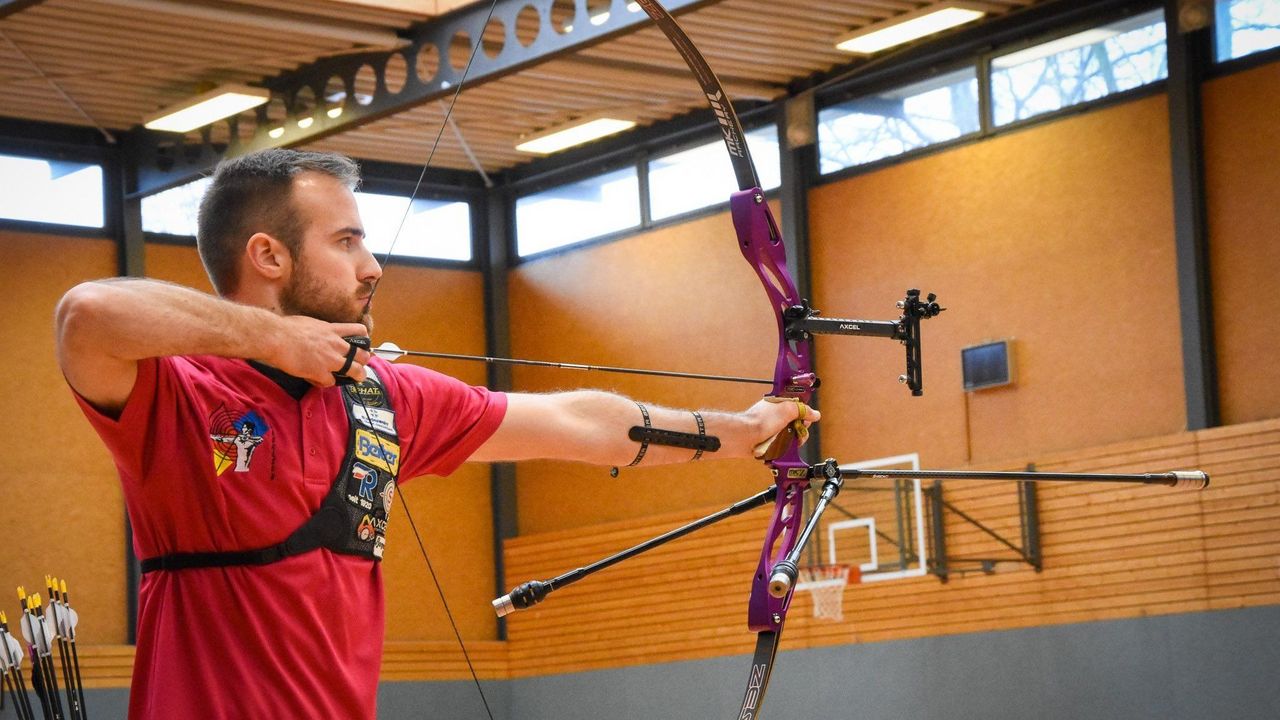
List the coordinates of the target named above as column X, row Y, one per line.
column 391, row 352
column 11, row 662
column 64, row 621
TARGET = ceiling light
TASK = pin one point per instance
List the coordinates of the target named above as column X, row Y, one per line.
column 223, row 101
column 1053, row 47
column 306, row 122
column 580, row 131
column 910, row 26
column 276, row 133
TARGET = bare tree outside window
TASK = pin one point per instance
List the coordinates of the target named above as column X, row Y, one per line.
column 1079, row 68
column 1245, row 27
column 894, row 122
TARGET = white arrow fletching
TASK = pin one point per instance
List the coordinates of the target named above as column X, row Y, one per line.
column 65, row 619
column 37, row 636
column 11, row 654
column 389, row 351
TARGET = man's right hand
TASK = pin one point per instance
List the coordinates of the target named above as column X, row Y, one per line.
column 314, row 350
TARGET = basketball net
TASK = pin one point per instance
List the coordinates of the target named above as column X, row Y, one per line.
column 826, row 584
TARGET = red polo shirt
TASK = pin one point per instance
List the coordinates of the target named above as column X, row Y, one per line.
column 215, row 456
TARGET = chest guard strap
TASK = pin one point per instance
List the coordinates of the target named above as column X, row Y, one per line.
column 352, row 519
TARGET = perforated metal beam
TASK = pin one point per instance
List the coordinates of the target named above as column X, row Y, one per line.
column 441, row 45
column 9, row 7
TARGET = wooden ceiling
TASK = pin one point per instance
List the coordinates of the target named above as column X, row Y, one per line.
column 109, row 63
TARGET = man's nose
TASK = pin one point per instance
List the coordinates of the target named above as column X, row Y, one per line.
column 370, row 269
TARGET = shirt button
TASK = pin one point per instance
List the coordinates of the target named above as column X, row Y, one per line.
column 308, row 415
column 312, row 452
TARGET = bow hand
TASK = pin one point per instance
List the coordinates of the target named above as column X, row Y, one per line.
column 783, row 421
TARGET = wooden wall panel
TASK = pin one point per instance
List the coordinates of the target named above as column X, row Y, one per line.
column 55, row 462
column 1060, row 236
column 1242, row 179
column 677, row 298
column 441, row 310
column 1110, row 552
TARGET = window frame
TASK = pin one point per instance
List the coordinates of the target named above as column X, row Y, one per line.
column 1244, row 62
column 639, row 158
column 83, row 149
column 434, row 191
column 854, row 89
column 893, row 83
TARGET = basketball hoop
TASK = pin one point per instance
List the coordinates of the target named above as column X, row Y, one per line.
column 826, row 584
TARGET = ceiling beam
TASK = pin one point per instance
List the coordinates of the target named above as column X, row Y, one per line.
column 165, row 160
column 369, row 35
column 9, row 7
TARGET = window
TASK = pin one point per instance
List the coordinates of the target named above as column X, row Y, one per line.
column 434, row 229
column 890, row 123
column 703, row 176
column 579, row 211
column 1080, row 67
column 173, row 212
column 1245, row 27
column 437, row 229
column 51, row 191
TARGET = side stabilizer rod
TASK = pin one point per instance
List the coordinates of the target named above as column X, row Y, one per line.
column 533, row 592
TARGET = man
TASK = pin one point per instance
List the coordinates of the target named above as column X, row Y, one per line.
column 259, row 491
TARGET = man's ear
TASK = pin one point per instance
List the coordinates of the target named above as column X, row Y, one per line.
column 268, row 257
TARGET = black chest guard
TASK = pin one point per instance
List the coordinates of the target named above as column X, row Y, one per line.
column 352, row 519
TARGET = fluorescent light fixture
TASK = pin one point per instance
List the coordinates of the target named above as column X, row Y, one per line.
column 1053, row 47
column 910, row 26
column 580, row 131
column 223, row 101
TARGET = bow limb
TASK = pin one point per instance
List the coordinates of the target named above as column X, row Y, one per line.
column 761, row 244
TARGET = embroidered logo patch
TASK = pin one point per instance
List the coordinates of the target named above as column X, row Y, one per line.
column 388, row 496
column 369, row 394
column 236, row 434
column 367, row 530
column 378, row 451
column 368, row 479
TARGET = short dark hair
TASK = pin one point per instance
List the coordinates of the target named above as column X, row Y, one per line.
column 252, row 193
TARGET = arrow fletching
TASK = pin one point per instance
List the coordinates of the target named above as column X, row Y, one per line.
column 11, row 655
column 389, row 351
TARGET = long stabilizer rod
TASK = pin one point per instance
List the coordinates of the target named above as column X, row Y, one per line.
column 1182, row 479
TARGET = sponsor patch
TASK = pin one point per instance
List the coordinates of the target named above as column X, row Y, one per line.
column 366, row 531
column 376, row 418
column 368, row 479
column 370, row 395
column 377, row 451
column 388, row 496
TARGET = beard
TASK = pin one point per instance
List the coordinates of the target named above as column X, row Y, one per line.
column 306, row 295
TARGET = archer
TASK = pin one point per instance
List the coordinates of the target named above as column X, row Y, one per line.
column 286, row 339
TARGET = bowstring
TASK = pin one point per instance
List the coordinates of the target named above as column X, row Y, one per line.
column 422, row 548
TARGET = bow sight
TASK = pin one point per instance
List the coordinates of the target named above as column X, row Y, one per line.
column 801, row 322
